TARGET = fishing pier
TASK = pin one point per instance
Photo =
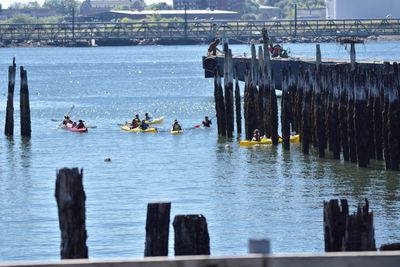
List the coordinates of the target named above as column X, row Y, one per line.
column 193, row 30
column 348, row 110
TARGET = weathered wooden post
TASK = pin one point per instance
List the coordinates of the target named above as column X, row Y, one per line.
column 9, row 127
column 344, row 232
column 238, row 107
column 157, row 229
column 228, row 88
column 24, row 105
column 219, row 105
column 344, row 88
column 360, row 234
column 350, row 118
column 393, row 116
column 335, row 218
column 191, row 235
column 285, row 109
column 71, row 198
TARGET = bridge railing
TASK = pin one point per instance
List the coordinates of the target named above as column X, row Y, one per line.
column 240, row 30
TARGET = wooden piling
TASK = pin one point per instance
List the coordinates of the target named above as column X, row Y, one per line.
column 361, row 121
column 238, row 107
column 343, row 118
column 219, row 105
column 191, row 235
column 71, row 198
column 387, row 83
column 360, row 234
column 335, row 218
column 319, row 114
column 350, row 118
column 157, row 229
column 393, row 121
column 9, row 127
column 228, row 92
column 24, row 105
column 285, row 109
column 260, row 94
column 344, row 232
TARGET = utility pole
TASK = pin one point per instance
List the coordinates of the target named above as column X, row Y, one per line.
column 73, row 23
column 185, row 22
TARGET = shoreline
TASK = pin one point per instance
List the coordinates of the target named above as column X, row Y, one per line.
column 146, row 42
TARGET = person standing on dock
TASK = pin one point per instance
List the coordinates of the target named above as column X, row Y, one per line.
column 212, row 49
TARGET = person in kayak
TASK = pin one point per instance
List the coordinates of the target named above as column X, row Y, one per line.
column 176, row 126
column 80, row 125
column 147, row 117
column 134, row 124
column 256, row 136
column 207, row 122
column 66, row 120
column 144, row 125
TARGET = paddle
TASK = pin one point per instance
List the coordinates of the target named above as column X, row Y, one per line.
column 68, row 113
column 199, row 125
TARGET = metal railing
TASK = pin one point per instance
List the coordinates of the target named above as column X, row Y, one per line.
column 197, row 30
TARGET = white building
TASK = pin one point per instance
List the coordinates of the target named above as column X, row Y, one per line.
column 362, row 9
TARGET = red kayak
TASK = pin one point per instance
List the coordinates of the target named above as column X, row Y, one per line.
column 71, row 128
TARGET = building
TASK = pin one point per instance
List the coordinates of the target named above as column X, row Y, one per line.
column 270, row 12
column 362, row 9
column 90, row 7
column 311, row 13
column 190, row 14
column 232, row 5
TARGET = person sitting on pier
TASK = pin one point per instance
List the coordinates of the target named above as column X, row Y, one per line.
column 67, row 120
column 144, row 125
column 207, row 122
column 176, row 126
column 147, row 117
column 80, row 125
column 256, row 136
column 212, row 49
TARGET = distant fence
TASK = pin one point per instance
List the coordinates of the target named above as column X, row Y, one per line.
column 196, row 30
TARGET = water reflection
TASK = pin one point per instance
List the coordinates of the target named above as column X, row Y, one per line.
column 26, row 152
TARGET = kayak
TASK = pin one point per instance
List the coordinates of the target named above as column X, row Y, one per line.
column 268, row 141
column 70, row 127
column 137, row 129
column 155, row 121
column 176, row 132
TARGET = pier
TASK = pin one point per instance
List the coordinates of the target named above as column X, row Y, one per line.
column 195, row 31
column 347, row 109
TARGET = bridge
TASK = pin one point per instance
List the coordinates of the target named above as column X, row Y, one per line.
column 241, row 31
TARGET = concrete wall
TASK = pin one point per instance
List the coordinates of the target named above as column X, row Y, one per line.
column 362, row 9
column 348, row 259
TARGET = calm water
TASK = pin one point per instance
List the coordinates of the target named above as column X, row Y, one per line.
column 244, row 193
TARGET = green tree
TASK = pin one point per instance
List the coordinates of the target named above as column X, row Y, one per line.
column 22, row 18
column 63, row 6
column 159, row 6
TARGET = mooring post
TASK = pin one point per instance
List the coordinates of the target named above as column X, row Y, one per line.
column 285, row 110
column 71, row 198
column 191, row 235
column 260, row 95
column 238, row 106
column 335, row 218
column 24, row 105
column 360, row 233
column 228, row 86
column 219, row 104
column 353, row 55
column 318, row 58
column 157, row 229
column 9, row 127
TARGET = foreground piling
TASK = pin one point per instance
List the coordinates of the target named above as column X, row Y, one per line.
column 191, row 235
column 157, row 229
column 24, row 105
column 9, row 127
column 71, row 198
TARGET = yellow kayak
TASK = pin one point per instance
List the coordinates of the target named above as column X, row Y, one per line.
column 155, row 120
column 267, row 141
column 176, row 132
column 137, row 129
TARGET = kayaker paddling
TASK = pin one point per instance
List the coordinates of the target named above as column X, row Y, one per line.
column 207, row 122
column 176, row 126
column 147, row 117
column 80, row 125
column 66, row 120
column 256, row 135
column 144, row 125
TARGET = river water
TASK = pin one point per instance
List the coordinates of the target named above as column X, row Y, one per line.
column 261, row 192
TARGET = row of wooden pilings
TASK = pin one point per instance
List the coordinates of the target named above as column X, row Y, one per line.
column 342, row 231
column 25, row 113
column 349, row 110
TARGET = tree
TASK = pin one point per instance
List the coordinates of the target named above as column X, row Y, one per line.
column 63, row 6
column 159, row 6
